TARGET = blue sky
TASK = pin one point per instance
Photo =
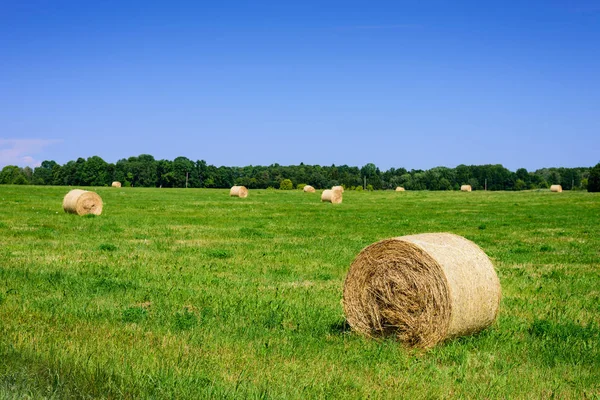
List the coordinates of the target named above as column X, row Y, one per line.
column 399, row 84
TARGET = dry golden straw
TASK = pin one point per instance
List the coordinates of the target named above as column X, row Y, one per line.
column 308, row 189
column 340, row 188
column 422, row 289
column 465, row 188
column 239, row 191
column 82, row 202
column 399, row 189
column 116, row 184
column 556, row 188
column 332, row 196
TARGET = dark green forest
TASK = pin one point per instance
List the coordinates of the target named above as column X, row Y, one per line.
column 145, row 171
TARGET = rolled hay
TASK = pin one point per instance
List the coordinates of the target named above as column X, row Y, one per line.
column 422, row 289
column 332, row 196
column 465, row 188
column 399, row 189
column 308, row 189
column 556, row 188
column 340, row 188
column 116, row 184
column 82, row 202
column 239, row 191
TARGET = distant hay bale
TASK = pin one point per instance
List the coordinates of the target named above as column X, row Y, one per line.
column 340, row 188
column 332, row 196
column 308, row 189
column 239, row 191
column 465, row 188
column 556, row 188
column 422, row 289
column 399, row 189
column 116, row 184
column 82, row 202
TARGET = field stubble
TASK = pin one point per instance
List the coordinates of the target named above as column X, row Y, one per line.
column 191, row 293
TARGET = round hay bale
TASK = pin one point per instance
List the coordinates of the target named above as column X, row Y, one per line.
column 308, row 189
column 340, row 188
column 332, row 196
column 116, row 184
column 239, row 191
column 556, row 188
column 422, row 289
column 399, row 189
column 82, row 202
column 465, row 188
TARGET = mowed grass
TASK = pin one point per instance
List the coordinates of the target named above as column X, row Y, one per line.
column 175, row 293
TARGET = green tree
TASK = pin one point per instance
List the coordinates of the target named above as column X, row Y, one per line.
column 164, row 172
column 184, row 168
column 593, row 184
column 286, row 184
column 43, row 175
column 94, row 172
column 11, row 174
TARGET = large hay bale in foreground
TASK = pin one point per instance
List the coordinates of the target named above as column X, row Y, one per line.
column 82, row 202
column 239, row 191
column 465, row 188
column 556, row 188
column 116, row 184
column 308, row 189
column 422, row 289
column 332, row 196
column 399, row 189
column 340, row 188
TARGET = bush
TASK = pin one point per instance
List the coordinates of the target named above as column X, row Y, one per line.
column 300, row 186
column 286, row 184
column 359, row 188
column 593, row 184
column 370, row 187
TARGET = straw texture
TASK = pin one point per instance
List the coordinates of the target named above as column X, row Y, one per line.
column 340, row 188
column 239, row 191
column 332, row 196
column 399, row 189
column 116, row 184
column 465, row 188
column 556, row 188
column 308, row 189
column 422, row 289
column 82, row 202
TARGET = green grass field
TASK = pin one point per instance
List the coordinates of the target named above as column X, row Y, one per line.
column 179, row 293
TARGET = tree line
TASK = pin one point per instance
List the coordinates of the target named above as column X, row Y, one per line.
column 145, row 171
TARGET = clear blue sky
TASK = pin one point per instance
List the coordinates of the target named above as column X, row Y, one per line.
column 396, row 83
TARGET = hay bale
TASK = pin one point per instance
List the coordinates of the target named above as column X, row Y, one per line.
column 239, row 191
column 556, row 188
column 340, row 188
column 308, row 189
column 422, row 289
column 399, row 189
column 332, row 196
column 82, row 202
column 116, row 184
column 465, row 188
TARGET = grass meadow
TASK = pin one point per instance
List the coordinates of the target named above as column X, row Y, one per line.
column 188, row 293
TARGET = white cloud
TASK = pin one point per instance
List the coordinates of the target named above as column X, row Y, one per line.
column 23, row 152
